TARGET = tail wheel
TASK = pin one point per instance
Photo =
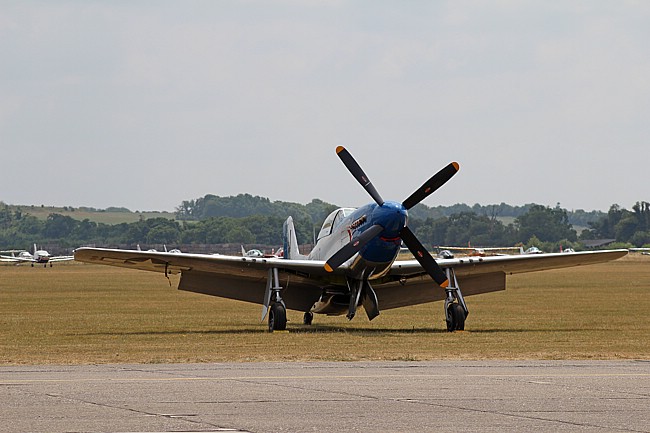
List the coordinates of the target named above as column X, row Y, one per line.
column 455, row 317
column 277, row 318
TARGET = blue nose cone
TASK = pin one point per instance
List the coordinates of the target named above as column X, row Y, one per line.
column 391, row 216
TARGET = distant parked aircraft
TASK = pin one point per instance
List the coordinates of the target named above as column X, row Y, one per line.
column 476, row 252
column 251, row 253
column 39, row 256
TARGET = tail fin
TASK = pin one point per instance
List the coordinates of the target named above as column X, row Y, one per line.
column 243, row 251
column 290, row 241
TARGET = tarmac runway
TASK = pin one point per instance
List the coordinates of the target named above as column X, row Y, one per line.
column 449, row 396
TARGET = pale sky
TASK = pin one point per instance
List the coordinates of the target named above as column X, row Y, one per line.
column 144, row 104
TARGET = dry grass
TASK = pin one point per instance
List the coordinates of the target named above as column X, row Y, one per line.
column 75, row 313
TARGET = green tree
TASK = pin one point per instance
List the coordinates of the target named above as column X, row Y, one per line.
column 430, row 231
column 605, row 227
column 30, row 225
column 241, row 235
column 85, row 231
column 626, row 227
column 58, row 226
column 642, row 214
column 6, row 217
column 547, row 224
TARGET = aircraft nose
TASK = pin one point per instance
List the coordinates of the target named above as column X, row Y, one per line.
column 392, row 217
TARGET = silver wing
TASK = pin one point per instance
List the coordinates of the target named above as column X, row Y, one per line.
column 16, row 259
column 476, row 274
column 245, row 278
column 61, row 258
column 241, row 278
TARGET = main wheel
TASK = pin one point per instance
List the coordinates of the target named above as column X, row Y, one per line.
column 277, row 317
column 456, row 313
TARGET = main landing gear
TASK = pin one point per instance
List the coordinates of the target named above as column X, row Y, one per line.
column 277, row 317
column 455, row 308
column 273, row 303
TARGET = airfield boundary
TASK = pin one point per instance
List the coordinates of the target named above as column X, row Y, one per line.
column 86, row 314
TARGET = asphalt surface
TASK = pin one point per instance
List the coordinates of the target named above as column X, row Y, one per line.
column 553, row 396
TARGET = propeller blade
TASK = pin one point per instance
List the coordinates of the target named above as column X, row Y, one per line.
column 352, row 248
column 436, row 181
column 358, row 174
column 423, row 256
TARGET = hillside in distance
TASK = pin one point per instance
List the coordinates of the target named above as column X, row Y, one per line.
column 111, row 215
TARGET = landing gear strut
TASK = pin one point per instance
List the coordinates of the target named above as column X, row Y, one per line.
column 273, row 303
column 455, row 308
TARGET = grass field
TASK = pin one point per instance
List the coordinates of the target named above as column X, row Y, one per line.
column 74, row 313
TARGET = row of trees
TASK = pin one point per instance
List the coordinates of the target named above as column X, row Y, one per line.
column 69, row 233
column 541, row 226
column 544, row 227
column 244, row 205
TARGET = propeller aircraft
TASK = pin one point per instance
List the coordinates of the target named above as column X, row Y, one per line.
column 353, row 264
column 41, row 257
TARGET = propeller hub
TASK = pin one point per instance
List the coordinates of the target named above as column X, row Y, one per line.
column 392, row 216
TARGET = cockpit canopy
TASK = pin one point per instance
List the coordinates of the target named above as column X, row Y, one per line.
column 333, row 220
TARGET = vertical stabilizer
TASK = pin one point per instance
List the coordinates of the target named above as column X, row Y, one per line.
column 290, row 241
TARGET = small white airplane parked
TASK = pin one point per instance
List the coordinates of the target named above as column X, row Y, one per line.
column 251, row 253
column 479, row 251
column 258, row 253
column 40, row 257
column 352, row 264
column 153, row 250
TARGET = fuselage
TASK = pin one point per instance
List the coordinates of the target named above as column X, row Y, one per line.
column 41, row 256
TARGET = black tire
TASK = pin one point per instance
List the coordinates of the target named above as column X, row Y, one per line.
column 451, row 324
column 277, row 318
column 308, row 318
column 457, row 315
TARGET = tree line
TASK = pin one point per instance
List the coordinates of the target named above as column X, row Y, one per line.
column 246, row 205
column 249, row 220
